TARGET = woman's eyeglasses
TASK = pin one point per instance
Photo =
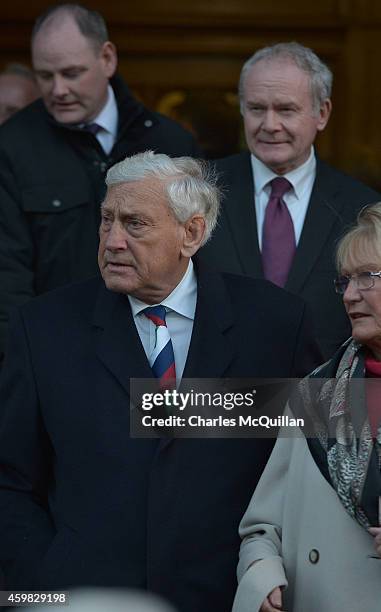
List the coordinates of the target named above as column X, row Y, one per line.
column 363, row 280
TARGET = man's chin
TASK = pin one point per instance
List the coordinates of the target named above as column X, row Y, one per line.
column 69, row 117
column 277, row 163
column 117, row 284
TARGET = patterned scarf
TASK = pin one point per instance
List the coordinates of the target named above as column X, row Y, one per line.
column 334, row 400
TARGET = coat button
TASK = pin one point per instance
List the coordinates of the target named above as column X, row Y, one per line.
column 56, row 203
column 148, row 123
column 314, row 555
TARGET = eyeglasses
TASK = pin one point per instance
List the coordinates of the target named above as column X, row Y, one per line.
column 363, row 280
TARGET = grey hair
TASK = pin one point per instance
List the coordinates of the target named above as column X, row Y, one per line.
column 363, row 240
column 90, row 23
column 320, row 75
column 190, row 184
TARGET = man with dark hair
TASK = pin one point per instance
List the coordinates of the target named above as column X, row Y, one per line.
column 53, row 155
column 285, row 209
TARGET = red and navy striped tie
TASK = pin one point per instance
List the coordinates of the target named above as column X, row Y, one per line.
column 162, row 360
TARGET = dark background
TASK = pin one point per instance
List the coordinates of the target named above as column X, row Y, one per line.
column 183, row 58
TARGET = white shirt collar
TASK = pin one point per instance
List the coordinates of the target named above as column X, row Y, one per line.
column 263, row 175
column 182, row 299
column 108, row 117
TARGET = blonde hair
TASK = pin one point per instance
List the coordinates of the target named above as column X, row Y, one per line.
column 363, row 240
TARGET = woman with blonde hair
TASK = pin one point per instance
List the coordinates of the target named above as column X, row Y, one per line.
column 311, row 534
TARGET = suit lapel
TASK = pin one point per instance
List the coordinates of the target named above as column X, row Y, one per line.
column 323, row 211
column 240, row 214
column 118, row 343
column 210, row 353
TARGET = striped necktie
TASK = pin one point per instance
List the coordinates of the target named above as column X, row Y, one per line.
column 162, row 360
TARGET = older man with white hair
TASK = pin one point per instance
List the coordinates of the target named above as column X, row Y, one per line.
column 54, row 155
column 82, row 502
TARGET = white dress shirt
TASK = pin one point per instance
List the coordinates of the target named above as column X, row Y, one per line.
column 108, row 121
column 180, row 306
column 296, row 199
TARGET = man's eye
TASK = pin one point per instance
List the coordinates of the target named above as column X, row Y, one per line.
column 72, row 74
column 286, row 110
column 44, row 76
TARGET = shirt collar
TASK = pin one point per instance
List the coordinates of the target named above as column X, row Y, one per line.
column 108, row 117
column 181, row 300
column 263, row 175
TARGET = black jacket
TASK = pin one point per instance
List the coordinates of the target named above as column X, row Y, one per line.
column 335, row 201
column 83, row 503
column 51, row 185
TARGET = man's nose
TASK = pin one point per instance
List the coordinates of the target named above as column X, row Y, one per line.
column 270, row 121
column 116, row 238
column 60, row 87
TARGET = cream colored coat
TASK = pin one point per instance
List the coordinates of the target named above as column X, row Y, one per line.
column 297, row 526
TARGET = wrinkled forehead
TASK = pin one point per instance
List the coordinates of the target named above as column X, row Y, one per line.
column 279, row 77
column 282, row 68
column 144, row 195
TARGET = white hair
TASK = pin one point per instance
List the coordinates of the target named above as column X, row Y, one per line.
column 190, row 184
column 304, row 58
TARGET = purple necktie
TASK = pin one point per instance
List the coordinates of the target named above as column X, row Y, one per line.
column 93, row 128
column 278, row 236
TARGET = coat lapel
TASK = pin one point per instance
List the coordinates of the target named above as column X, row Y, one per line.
column 323, row 211
column 210, row 353
column 118, row 343
column 240, row 214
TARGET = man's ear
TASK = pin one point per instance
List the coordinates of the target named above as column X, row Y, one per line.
column 324, row 114
column 194, row 231
column 109, row 58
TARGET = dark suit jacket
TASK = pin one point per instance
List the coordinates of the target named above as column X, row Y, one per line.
column 83, row 503
column 335, row 201
column 52, row 181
